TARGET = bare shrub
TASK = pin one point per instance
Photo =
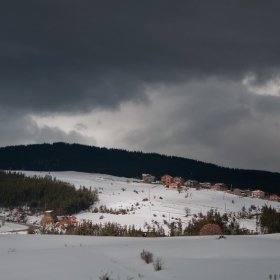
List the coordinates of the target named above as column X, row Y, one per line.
column 187, row 211
column 12, row 250
column 211, row 229
column 158, row 264
column 147, row 256
column 105, row 276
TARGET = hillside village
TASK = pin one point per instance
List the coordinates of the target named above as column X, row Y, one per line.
column 178, row 183
column 147, row 202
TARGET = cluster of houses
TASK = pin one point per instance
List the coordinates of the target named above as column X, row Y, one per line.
column 256, row 194
column 178, row 182
column 66, row 220
column 61, row 220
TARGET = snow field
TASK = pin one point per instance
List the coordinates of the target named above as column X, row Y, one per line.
column 171, row 205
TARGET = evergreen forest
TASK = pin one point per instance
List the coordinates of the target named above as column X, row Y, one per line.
column 75, row 157
column 40, row 194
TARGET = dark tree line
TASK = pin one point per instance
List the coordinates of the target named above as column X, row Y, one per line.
column 269, row 220
column 38, row 193
column 63, row 157
column 115, row 229
column 227, row 225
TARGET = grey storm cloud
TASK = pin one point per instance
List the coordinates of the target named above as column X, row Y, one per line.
column 22, row 129
column 67, row 58
column 222, row 123
column 74, row 56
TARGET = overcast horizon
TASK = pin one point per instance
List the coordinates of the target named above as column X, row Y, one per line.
column 195, row 79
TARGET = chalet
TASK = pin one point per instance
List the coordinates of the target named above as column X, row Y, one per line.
column 150, row 179
column 219, row 187
column 258, row 194
column 242, row 192
column 174, row 185
column 166, row 179
column 274, row 197
column 247, row 192
column 66, row 220
column 238, row 192
column 205, row 185
column 191, row 183
column 179, row 180
column 145, row 176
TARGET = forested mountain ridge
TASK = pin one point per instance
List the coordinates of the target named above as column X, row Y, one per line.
column 76, row 157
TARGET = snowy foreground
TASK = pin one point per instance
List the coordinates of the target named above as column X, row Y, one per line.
column 47, row 257
column 42, row 257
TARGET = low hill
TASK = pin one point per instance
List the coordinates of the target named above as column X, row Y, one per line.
column 76, row 157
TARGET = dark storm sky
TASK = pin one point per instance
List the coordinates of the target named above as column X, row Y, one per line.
column 198, row 79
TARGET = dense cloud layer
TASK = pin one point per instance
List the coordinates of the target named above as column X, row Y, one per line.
column 197, row 68
column 78, row 55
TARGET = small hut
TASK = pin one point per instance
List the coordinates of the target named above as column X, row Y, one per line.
column 47, row 219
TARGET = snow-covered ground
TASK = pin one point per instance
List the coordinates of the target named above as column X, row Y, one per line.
column 46, row 257
column 12, row 228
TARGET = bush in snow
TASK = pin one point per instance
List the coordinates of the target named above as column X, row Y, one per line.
column 211, row 229
column 158, row 264
column 105, row 276
column 147, row 256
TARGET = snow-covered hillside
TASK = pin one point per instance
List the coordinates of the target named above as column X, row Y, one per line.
column 120, row 192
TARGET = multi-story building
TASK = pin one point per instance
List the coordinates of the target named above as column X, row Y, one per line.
column 179, row 180
column 166, row 179
column 258, row 194
column 219, row 187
